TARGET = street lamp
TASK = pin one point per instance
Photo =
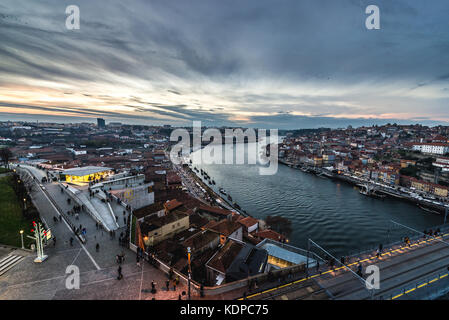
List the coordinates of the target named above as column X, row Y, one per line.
column 21, row 237
column 190, row 270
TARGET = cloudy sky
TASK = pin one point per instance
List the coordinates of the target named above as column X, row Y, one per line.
column 257, row 63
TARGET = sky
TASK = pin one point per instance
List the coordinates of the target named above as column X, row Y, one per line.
column 282, row 64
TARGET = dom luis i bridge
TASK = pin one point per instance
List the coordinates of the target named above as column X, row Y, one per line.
column 414, row 268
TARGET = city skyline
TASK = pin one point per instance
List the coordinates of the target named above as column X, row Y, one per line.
column 297, row 65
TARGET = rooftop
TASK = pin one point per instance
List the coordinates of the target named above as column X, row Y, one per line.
column 84, row 171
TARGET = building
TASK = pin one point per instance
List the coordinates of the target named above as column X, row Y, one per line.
column 249, row 224
column 431, row 148
column 443, row 163
column 227, row 228
column 155, row 229
column 236, row 260
column 85, row 174
column 269, row 234
column 426, row 187
column 136, row 196
column 101, row 123
column 213, row 213
column 281, row 255
column 202, row 241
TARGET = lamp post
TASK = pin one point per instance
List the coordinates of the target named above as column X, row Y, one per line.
column 21, row 237
column 190, row 270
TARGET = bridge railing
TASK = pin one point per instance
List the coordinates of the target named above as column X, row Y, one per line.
column 444, row 228
column 423, row 283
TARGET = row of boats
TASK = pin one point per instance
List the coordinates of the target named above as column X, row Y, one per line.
column 210, row 181
column 205, row 175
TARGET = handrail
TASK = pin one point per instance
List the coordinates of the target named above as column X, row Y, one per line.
column 419, row 284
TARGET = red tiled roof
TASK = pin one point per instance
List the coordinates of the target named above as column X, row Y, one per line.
column 172, row 204
column 215, row 210
column 269, row 234
column 223, row 259
column 248, row 221
column 225, row 227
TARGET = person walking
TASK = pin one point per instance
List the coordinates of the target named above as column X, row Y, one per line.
column 174, row 284
column 97, row 247
column 167, row 284
column 359, row 269
column 54, row 241
column 119, row 270
column 153, row 287
column 71, row 241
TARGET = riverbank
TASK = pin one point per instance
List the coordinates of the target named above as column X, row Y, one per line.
column 398, row 193
column 214, row 197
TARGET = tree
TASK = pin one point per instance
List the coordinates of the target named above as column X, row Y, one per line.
column 5, row 155
column 411, row 171
column 279, row 224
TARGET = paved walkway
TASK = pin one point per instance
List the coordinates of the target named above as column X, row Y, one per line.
column 98, row 270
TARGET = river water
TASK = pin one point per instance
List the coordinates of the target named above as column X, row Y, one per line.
column 333, row 214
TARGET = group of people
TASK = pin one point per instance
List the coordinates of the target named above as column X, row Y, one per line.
column 174, row 281
column 432, row 233
column 75, row 211
column 123, row 240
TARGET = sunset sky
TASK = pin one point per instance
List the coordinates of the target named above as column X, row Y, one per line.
column 257, row 63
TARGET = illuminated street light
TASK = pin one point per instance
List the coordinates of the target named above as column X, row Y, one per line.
column 21, row 237
column 190, row 270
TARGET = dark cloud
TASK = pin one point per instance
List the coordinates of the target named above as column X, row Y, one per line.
column 215, row 60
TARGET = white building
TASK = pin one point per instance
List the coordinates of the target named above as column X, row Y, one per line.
column 433, row 148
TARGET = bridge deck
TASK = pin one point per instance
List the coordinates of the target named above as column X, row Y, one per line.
column 415, row 271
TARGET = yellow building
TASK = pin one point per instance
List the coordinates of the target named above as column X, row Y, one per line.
column 156, row 229
column 85, row 174
column 420, row 185
column 441, row 191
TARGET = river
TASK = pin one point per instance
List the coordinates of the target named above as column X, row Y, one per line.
column 331, row 213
